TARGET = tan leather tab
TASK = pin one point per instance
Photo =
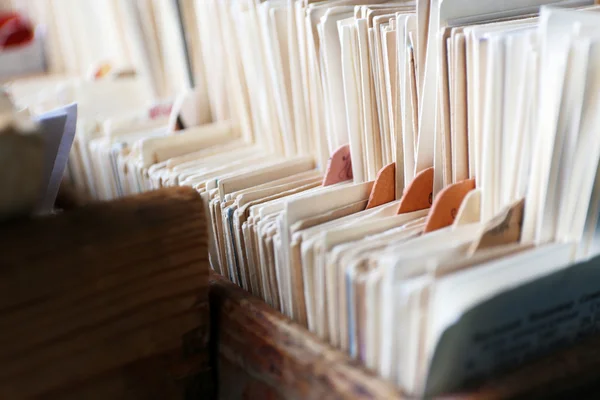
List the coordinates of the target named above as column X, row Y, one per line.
column 503, row 229
column 418, row 195
column 125, row 73
column 470, row 209
column 339, row 167
column 384, row 188
column 446, row 205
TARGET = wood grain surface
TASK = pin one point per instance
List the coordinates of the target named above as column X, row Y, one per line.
column 107, row 301
column 263, row 355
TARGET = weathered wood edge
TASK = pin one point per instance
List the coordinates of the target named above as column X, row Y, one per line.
column 269, row 356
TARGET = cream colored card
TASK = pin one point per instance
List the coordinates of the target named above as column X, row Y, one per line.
column 313, row 204
column 459, row 133
column 352, row 98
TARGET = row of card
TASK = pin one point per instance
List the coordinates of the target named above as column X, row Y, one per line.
column 462, row 166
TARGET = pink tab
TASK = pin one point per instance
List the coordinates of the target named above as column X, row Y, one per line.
column 339, row 167
column 160, row 110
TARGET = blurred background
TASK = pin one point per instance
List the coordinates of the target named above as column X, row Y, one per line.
column 156, row 38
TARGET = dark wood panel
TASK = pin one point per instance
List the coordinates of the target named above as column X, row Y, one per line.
column 107, row 301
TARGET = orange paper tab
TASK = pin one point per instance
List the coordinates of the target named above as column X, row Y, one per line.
column 418, row 195
column 339, row 167
column 446, row 205
column 384, row 188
